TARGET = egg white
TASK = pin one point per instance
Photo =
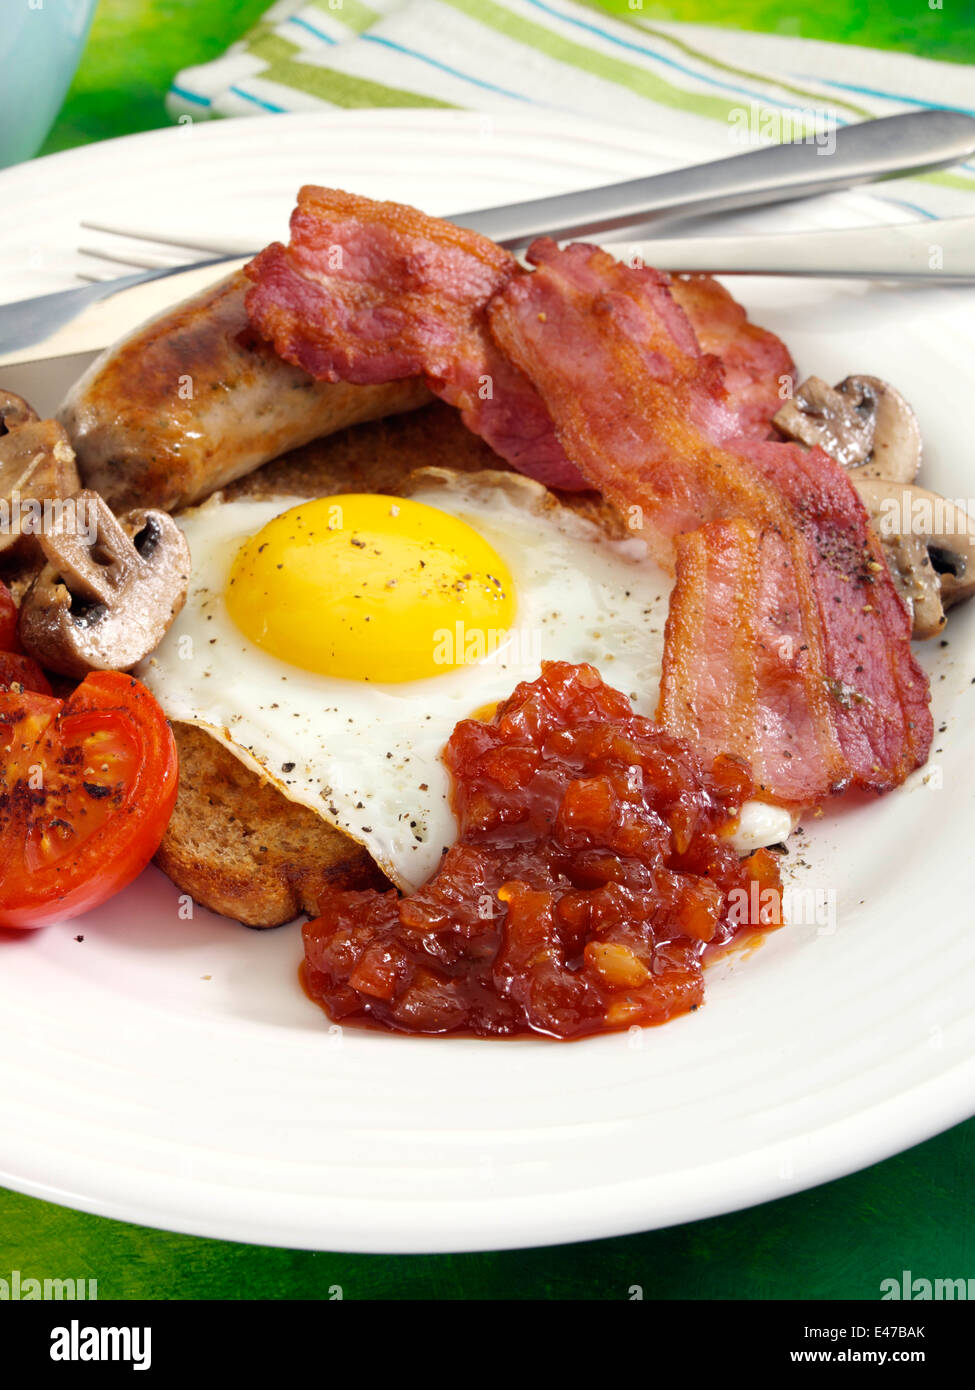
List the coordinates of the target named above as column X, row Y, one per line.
column 366, row 756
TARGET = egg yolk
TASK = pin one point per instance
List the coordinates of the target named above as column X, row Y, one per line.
column 371, row 588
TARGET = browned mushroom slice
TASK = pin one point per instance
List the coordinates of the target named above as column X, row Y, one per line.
column 109, row 591
column 14, row 412
column 929, row 543
column 37, row 469
column 863, row 423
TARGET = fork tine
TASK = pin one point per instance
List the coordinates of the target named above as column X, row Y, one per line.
column 143, row 261
column 222, row 246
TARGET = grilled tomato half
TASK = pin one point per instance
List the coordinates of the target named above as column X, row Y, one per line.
column 87, row 786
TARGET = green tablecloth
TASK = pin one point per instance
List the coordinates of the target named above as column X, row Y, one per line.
column 838, row 1241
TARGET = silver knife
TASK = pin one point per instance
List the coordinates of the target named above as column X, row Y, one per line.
column 892, row 146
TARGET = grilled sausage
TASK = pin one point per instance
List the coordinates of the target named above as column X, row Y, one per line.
column 193, row 399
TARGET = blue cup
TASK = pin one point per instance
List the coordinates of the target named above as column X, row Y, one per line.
column 42, row 44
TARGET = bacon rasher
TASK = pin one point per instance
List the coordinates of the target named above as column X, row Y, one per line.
column 370, row 292
column 786, row 641
column 758, row 368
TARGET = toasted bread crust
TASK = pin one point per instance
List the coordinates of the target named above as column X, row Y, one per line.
column 374, row 457
column 240, row 848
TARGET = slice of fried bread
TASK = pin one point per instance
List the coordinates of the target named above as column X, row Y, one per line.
column 239, row 847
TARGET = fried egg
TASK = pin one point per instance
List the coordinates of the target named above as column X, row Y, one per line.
column 332, row 644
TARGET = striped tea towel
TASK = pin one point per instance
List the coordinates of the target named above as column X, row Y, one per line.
column 559, row 55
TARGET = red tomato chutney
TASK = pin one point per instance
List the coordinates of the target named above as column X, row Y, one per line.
column 589, row 878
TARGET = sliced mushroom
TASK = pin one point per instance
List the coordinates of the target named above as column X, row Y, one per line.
column 37, row 469
column 929, row 543
column 14, row 412
column 863, row 423
column 109, row 591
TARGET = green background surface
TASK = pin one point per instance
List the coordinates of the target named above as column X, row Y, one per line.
column 837, row 1241
column 137, row 45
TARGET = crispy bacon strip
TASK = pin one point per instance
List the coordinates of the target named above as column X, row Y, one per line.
column 371, row 292
column 735, row 667
column 758, row 368
column 786, row 641
column 879, row 694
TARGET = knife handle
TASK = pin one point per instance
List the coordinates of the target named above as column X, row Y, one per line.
column 935, row 253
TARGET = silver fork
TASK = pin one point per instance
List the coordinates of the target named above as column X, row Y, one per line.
column 941, row 252
column 143, row 251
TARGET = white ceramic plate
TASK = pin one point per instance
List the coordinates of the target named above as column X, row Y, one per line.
column 171, row 1072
